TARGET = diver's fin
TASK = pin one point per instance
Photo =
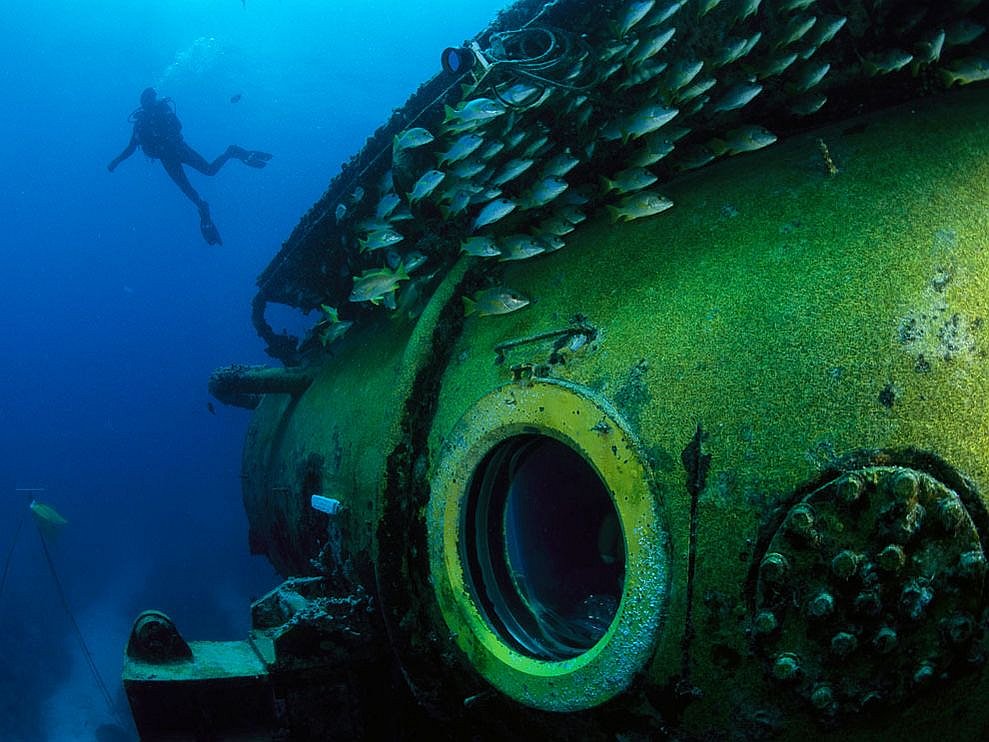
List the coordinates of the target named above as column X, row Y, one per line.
column 210, row 233
column 256, row 158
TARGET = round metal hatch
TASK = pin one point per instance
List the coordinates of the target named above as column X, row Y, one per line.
column 548, row 550
column 871, row 591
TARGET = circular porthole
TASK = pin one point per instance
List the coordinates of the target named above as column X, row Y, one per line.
column 548, row 550
column 543, row 547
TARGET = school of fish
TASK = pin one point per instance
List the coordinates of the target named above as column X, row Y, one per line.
column 656, row 88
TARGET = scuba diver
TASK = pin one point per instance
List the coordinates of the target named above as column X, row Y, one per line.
column 158, row 131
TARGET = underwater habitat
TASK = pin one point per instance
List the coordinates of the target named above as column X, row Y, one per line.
column 570, row 370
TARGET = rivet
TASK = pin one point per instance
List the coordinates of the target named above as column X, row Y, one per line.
column 774, row 567
column 885, row 640
column 892, row 558
column 821, row 605
column 786, row 667
column 845, row 564
column 843, row 644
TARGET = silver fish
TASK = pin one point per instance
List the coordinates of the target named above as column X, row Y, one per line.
column 375, row 285
column 474, row 111
column 810, row 76
column 663, row 13
column 467, row 169
column 482, row 246
column 737, row 96
column 426, row 184
column 929, row 48
column 657, row 146
column 461, row 148
column 647, row 119
column 695, row 90
column 808, row 103
column 491, row 149
column 511, row 170
column 635, row 11
column 520, row 247
column 572, row 214
column 791, row 5
column 963, row 31
column 543, row 192
column 744, row 139
column 378, row 240
column 965, row 71
column 886, row 62
column 633, row 179
column 637, row 205
column 552, row 242
column 796, row 29
column 387, row 205
column 681, row 73
column 652, row 46
column 497, row 300
column 459, row 202
column 778, row 65
column 826, row 28
column 555, row 225
column 519, row 94
column 559, row 165
column 411, row 138
column 747, row 8
column 495, row 210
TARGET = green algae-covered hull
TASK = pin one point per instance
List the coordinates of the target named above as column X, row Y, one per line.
column 776, row 390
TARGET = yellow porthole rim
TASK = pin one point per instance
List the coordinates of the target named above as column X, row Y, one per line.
column 575, row 416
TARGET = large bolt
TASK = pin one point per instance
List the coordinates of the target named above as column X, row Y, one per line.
column 845, row 564
column 786, row 667
column 843, row 644
column 765, row 623
column 915, row 598
column 892, row 558
column 848, row 488
column 958, row 628
column 904, row 485
column 868, row 603
column 870, row 700
column 924, row 674
column 911, row 523
column 774, row 567
column 822, row 697
column 821, row 605
column 885, row 640
column 950, row 513
column 972, row 565
column 800, row 522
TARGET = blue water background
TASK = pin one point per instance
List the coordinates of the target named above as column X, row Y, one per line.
column 115, row 311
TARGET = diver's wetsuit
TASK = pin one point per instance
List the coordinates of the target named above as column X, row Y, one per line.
column 158, row 131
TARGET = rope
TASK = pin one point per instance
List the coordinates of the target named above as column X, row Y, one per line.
column 10, row 552
column 107, row 696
